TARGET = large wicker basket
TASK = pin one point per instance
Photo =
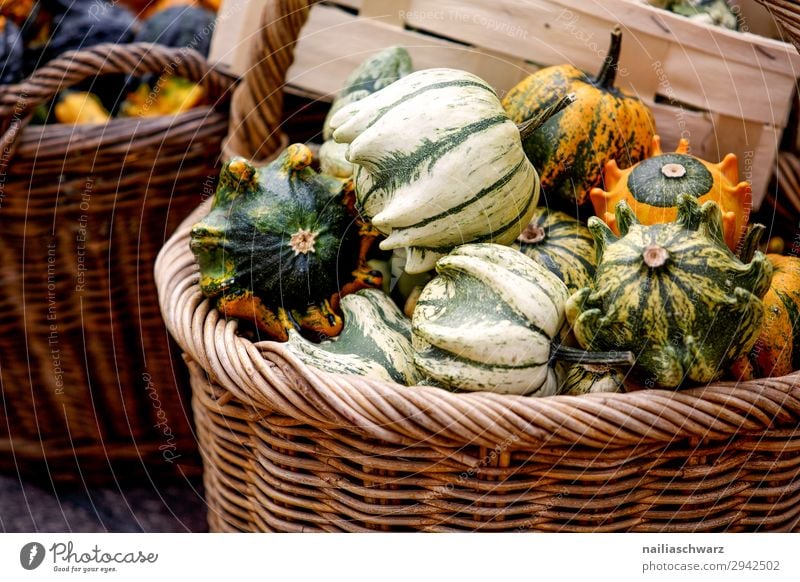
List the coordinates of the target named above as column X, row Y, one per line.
column 289, row 448
column 88, row 375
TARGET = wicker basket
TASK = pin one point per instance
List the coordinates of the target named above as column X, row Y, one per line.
column 289, row 448
column 88, row 374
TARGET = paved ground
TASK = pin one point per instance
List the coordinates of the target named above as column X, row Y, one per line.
column 27, row 507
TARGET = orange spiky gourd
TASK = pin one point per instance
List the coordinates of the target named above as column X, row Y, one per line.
column 652, row 188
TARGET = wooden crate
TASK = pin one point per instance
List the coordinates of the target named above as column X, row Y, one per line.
column 725, row 91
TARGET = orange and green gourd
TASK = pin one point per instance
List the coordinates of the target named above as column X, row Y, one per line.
column 170, row 95
column 777, row 350
column 570, row 150
column 652, row 187
column 78, row 107
column 278, row 248
column 17, row 10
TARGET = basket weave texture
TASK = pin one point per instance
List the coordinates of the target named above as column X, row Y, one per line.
column 88, row 374
column 290, row 448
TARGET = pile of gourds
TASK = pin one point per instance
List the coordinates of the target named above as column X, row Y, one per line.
column 424, row 200
column 33, row 32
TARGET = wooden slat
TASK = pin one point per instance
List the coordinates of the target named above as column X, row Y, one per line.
column 759, row 169
column 722, row 86
column 389, row 11
column 542, row 32
column 736, row 46
column 674, row 123
column 236, row 25
column 702, row 65
column 323, row 60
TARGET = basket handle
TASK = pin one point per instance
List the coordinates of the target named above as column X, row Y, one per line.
column 787, row 12
column 254, row 130
column 17, row 102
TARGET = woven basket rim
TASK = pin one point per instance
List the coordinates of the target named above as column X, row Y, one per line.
column 267, row 377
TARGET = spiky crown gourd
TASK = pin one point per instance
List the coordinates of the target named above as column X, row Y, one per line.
column 672, row 293
column 652, row 188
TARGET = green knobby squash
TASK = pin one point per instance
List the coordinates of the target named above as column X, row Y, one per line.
column 372, row 75
column 277, row 242
column 562, row 244
column 375, row 341
column 493, row 320
column 439, row 163
column 673, row 294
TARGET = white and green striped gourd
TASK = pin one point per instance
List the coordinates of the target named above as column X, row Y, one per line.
column 492, row 320
column 438, row 163
column 372, row 75
column 375, row 341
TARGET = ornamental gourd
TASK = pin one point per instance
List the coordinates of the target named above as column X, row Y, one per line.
column 651, row 188
column 83, row 25
column 492, row 320
column 372, row 75
column 592, row 379
column 673, row 294
column 18, row 11
column 80, row 107
column 170, row 95
column 277, row 246
column 11, row 51
column 713, row 12
column 561, row 244
column 777, row 350
column 375, row 341
column 153, row 7
column 572, row 147
column 179, row 26
column 439, row 163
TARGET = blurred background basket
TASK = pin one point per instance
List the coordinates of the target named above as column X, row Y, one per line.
column 288, row 448
column 89, row 377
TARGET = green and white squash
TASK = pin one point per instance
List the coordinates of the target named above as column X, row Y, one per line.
column 591, row 379
column 375, row 341
column 439, row 163
column 562, row 244
column 372, row 75
column 672, row 293
column 492, row 320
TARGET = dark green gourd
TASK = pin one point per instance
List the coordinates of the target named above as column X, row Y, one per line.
column 277, row 235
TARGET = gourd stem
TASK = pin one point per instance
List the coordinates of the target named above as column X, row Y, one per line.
column 749, row 245
column 532, row 234
column 577, row 356
column 608, row 74
column 527, row 128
